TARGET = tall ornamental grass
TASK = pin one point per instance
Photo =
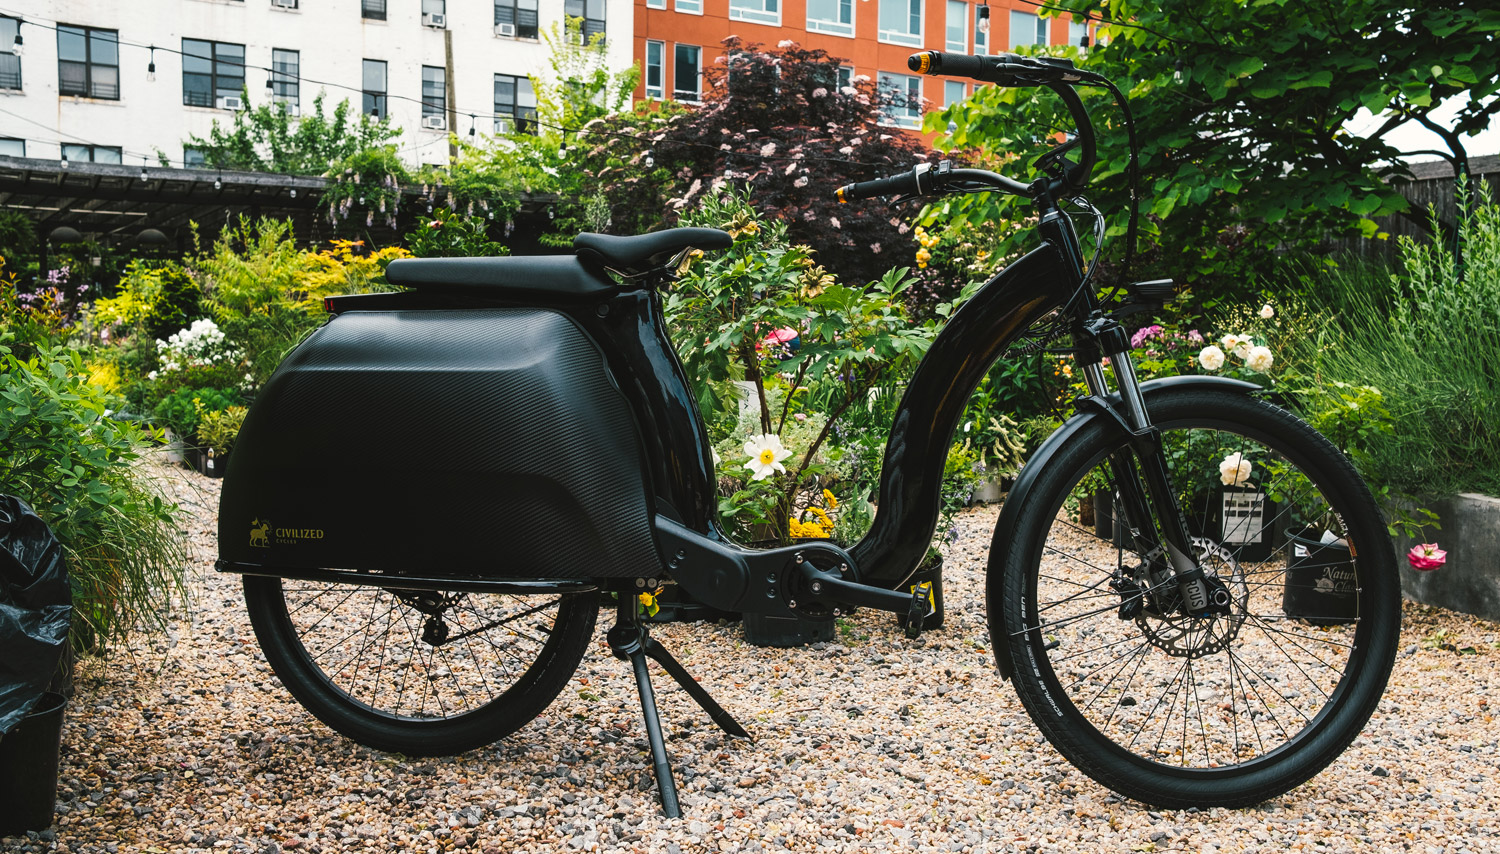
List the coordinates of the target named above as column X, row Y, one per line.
column 1428, row 339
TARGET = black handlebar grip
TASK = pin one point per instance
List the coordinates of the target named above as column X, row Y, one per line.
column 903, row 184
column 954, row 64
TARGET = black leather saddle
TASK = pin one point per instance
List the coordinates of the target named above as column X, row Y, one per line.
column 586, row 274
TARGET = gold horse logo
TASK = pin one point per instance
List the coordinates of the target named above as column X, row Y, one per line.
column 260, row 534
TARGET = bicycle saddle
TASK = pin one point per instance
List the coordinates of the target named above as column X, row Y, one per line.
column 640, row 254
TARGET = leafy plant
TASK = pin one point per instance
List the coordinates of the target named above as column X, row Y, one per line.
column 1220, row 89
column 266, row 138
column 155, row 297
column 183, row 410
column 75, row 466
column 451, row 235
column 218, row 429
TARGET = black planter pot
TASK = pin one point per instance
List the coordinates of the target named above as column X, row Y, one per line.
column 786, row 632
column 213, row 465
column 1320, row 585
column 28, row 768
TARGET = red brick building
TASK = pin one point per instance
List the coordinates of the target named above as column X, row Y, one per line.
column 676, row 39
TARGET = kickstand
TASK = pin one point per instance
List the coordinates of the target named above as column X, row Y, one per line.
column 628, row 640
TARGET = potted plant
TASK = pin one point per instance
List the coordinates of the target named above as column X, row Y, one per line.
column 217, row 432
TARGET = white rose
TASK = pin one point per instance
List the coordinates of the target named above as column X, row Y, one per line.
column 1266, row 312
column 1237, row 344
column 1259, row 359
column 1235, row 470
column 1211, row 358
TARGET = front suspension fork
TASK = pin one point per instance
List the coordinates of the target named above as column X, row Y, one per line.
column 1201, row 595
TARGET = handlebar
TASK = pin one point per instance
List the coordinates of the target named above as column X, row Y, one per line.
column 924, row 178
column 1010, row 69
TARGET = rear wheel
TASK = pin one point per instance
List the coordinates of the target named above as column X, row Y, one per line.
column 418, row 672
column 1228, row 709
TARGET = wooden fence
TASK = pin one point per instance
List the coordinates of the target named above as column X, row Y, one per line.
column 1432, row 187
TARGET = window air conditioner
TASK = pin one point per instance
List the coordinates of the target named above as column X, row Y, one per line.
column 503, row 126
column 435, row 122
column 505, row 30
column 434, row 19
column 230, row 102
column 291, row 109
column 284, row 4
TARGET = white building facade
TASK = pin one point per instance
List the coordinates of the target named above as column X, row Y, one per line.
column 86, row 84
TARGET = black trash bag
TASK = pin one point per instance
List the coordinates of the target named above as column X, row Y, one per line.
column 36, row 607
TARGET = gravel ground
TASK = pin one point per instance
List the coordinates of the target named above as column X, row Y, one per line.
column 867, row 743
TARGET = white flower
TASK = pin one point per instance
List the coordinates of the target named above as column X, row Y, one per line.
column 1259, row 359
column 766, row 453
column 785, row 43
column 1237, row 344
column 800, row 182
column 768, row 149
column 1235, row 470
column 1266, row 312
column 820, row 92
column 1211, row 358
column 847, row 90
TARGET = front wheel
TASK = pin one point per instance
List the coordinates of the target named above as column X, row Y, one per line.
column 1222, row 710
column 417, row 672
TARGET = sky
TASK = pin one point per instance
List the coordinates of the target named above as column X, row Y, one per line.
column 1413, row 137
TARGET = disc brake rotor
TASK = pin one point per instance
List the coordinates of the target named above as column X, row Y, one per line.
column 1181, row 636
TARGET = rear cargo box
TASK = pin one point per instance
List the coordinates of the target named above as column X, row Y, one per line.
column 469, row 443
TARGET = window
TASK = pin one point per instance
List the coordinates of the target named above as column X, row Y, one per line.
column 284, row 4
column 692, row 7
column 954, row 91
column 12, row 148
column 655, row 72
column 656, row 4
column 10, row 64
column 88, row 62
column 592, row 13
column 755, row 11
column 520, row 14
column 901, row 22
column 285, row 76
column 958, row 26
column 835, row 17
column 434, row 91
column 1078, row 30
column 902, row 94
column 374, row 85
column 373, row 10
column 211, row 70
column 515, row 105
column 92, row 153
column 846, row 76
column 1027, row 28
column 686, row 77
column 434, row 7
column 193, row 158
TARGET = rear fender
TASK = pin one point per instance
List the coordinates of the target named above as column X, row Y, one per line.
column 1106, row 409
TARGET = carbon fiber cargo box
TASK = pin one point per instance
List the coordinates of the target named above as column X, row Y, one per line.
column 488, row 442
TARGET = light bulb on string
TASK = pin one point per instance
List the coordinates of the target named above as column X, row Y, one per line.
column 471, row 124
column 650, row 159
column 219, row 182
column 270, row 87
column 292, row 192
column 1177, row 73
column 18, row 46
column 65, row 158
column 151, row 67
column 144, row 176
column 984, row 18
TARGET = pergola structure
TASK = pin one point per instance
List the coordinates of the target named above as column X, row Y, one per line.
column 115, row 204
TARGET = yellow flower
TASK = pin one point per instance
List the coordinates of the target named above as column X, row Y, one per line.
column 833, row 503
column 822, row 516
column 648, row 604
column 923, row 256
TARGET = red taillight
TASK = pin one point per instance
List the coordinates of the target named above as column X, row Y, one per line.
column 328, row 304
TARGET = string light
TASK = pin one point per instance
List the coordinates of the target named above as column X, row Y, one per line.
column 18, row 46
column 219, row 182
column 471, row 124
column 151, row 67
column 143, row 170
column 984, row 18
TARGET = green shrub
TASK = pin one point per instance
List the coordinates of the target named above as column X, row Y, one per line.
column 183, row 410
column 1427, row 341
column 218, row 430
column 72, row 463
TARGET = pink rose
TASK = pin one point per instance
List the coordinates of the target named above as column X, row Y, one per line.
column 435, row 224
column 1426, row 557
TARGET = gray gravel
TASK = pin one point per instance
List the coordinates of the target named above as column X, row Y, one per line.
column 867, row 743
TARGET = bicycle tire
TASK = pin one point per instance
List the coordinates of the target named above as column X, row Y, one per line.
column 501, row 661
column 1221, row 758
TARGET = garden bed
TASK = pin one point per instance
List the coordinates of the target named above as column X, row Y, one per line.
column 866, row 743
